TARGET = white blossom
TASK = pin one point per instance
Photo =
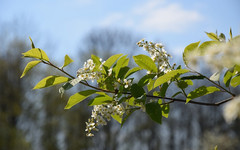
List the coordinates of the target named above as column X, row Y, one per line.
column 157, row 53
column 232, row 110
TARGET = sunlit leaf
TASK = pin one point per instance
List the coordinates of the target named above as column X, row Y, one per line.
column 36, row 53
column 165, row 108
column 78, row 97
column 111, row 60
column 67, row 61
column 117, row 118
column 154, row 111
column 121, row 63
column 50, row 81
column 189, row 51
column 235, row 81
column 230, row 33
column 201, row 91
column 29, row 66
column 168, row 76
column 145, row 62
column 131, row 71
column 32, row 44
column 100, row 99
column 212, row 36
column 203, row 47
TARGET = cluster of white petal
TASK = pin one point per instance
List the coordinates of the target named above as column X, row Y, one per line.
column 87, row 72
column 157, row 53
column 101, row 114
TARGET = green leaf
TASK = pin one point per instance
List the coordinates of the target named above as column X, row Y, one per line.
column 165, row 108
column 168, row 76
column 111, row 60
column 36, row 53
column 235, row 81
column 32, row 44
column 121, row 63
column 122, row 72
column 212, row 36
column 137, row 91
column 117, row 118
column 230, row 33
column 228, row 76
column 78, row 97
column 67, row 61
column 203, row 47
column 192, row 77
column 201, row 91
column 154, row 111
column 150, row 84
column 29, row 66
column 145, row 79
column 100, row 99
column 189, row 51
column 183, row 84
column 215, row 76
column 50, row 81
column 145, row 62
column 133, row 70
column 163, row 89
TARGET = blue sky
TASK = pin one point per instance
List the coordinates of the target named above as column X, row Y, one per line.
column 175, row 23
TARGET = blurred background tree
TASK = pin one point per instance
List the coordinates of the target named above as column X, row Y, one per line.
column 37, row 119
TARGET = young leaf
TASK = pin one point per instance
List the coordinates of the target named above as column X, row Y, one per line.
column 36, row 53
column 67, row 61
column 215, row 76
column 117, row 118
column 168, row 76
column 50, row 81
column 228, row 76
column 203, row 47
column 188, row 51
column 235, row 81
column 212, row 36
column 154, row 111
column 29, row 66
column 201, row 91
column 145, row 62
column 111, row 60
column 122, row 62
column 165, row 108
column 32, row 44
column 230, row 33
column 133, row 70
column 78, row 97
column 100, row 99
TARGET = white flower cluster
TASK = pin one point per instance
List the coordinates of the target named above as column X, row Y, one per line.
column 87, row 72
column 100, row 114
column 232, row 110
column 157, row 53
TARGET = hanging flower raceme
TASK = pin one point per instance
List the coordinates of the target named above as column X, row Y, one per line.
column 157, row 53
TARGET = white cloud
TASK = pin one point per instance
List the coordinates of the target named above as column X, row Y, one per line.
column 158, row 16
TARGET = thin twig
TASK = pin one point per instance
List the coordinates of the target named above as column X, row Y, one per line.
column 151, row 96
